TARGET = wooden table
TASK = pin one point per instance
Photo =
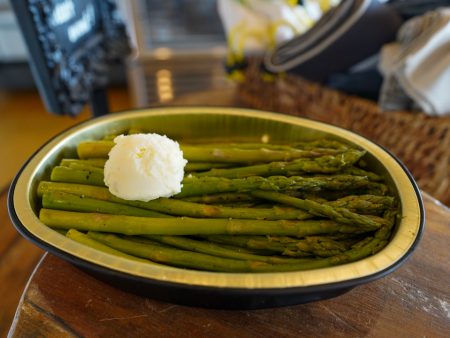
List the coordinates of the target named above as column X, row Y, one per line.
column 414, row 301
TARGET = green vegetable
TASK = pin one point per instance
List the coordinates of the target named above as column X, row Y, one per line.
column 319, row 165
column 90, row 242
column 95, row 162
column 188, row 259
column 201, row 166
column 288, row 246
column 338, row 214
column 221, row 198
column 197, row 186
column 217, row 250
column 244, row 207
column 77, row 197
column 132, row 225
column 204, row 153
column 72, row 202
column 69, row 175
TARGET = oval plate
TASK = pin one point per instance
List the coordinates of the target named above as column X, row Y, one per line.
column 212, row 289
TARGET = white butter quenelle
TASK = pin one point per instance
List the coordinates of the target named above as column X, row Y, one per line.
column 144, row 167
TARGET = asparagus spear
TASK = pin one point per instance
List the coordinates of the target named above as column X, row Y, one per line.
column 201, row 166
column 352, row 170
column 364, row 204
column 201, row 261
column 91, row 191
column 72, row 202
column 338, row 214
column 148, row 239
column 307, row 145
column 183, row 208
column 319, row 246
column 100, row 163
column 319, row 165
column 217, row 250
column 94, row 149
column 321, row 143
column 195, row 186
column 145, row 240
column 95, row 162
column 98, row 199
column 103, row 193
column 64, row 174
column 88, row 241
column 376, row 188
column 293, row 247
column 259, row 252
column 132, row 225
column 189, row 259
column 221, row 198
column 202, row 153
column 238, row 155
column 362, row 249
column 84, row 166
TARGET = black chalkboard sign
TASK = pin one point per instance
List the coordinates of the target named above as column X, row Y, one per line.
column 70, row 44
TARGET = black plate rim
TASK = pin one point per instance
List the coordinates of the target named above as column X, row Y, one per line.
column 335, row 286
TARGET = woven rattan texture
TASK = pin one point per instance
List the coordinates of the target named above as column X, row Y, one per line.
column 421, row 142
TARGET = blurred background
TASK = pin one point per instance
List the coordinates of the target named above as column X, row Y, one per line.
column 181, row 43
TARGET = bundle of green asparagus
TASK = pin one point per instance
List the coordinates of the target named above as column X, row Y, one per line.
column 244, row 207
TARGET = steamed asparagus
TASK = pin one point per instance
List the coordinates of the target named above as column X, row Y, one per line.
column 288, row 246
column 72, row 202
column 98, row 199
column 344, row 227
column 88, row 241
column 319, row 165
column 189, row 259
column 338, row 214
column 217, row 250
column 194, row 186
column 132, row 225
column 203, row 153
column 95, row 162
column 184, row 258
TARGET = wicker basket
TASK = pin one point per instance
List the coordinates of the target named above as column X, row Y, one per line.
column 420, row 141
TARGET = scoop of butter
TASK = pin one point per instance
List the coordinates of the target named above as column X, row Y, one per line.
column 144, row 167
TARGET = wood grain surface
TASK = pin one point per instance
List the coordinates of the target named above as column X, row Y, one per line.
column 18, row 257
column 414, row 301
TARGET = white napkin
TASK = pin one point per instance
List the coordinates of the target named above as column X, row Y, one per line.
column 416, row 68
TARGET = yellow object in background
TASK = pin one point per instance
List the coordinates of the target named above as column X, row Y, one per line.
column 254, row 27
column 325, row 5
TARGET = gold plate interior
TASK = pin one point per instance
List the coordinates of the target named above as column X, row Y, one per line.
column 202, row 123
